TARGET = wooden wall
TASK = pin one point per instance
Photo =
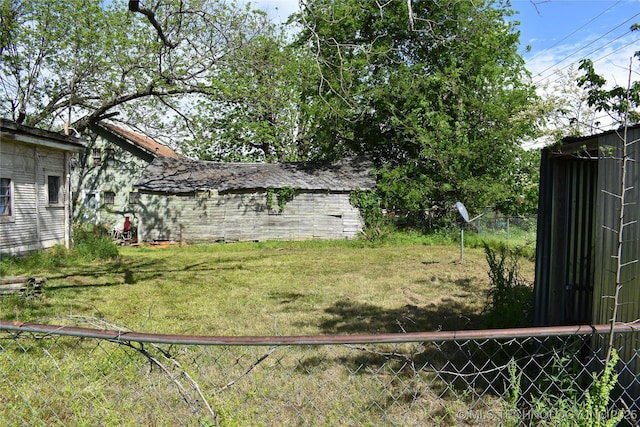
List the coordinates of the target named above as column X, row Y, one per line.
column 116, row 176
column 34, row 224
column 210, row 217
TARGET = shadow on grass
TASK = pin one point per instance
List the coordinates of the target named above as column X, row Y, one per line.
column 130, row 272
column 349, row 317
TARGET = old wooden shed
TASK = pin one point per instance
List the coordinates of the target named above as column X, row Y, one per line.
column 578, row 216
column 35, row 202
column 198, row 201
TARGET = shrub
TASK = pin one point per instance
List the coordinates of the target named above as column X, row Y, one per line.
column 377, row 226
column 510, row 297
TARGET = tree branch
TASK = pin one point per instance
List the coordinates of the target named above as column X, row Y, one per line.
column 134, row 6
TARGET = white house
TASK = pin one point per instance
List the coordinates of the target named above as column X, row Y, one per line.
column 35, row 200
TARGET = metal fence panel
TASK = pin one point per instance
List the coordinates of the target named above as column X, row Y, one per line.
column 59, row 376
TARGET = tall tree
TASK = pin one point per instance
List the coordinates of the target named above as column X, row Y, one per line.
column 433, row 90
column 80, row 61
column 262, row 114
column 565, row 109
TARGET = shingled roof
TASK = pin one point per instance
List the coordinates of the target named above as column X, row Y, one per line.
column 181, row 175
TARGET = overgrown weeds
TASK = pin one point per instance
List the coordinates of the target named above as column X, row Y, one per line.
column 510, row 296
column 572, row 406
column 91, row 244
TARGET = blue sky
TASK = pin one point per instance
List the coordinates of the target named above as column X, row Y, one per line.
column 560, row 33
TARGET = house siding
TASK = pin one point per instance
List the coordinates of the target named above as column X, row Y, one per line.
column 245, row 216
column 116, row 176
column 33, row 224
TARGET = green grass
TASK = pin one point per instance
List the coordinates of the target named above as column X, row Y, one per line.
column 405, row 283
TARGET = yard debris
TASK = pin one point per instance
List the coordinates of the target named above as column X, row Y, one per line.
column 27, row 286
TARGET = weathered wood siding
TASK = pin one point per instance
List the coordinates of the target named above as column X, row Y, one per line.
column 34, row 224
column 231, row 217
column 116, row 175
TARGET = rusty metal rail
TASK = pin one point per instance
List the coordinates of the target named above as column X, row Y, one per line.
column 122, row 335
column 72, row 374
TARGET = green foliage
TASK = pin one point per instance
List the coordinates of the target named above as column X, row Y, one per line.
column 52, row 258
column 283, row 195
column 433, row 96
column 262, row 114
column 91, row 244
column 85, row 60
column 596, row 404
column 368, row 202
column 510, row 302
column 568, row 410
column 94, row 243
column 621, row 103
column 513, row 393
column 377, row 227
column 270, row 194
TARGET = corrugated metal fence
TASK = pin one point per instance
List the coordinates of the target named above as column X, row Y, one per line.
column 87, row 373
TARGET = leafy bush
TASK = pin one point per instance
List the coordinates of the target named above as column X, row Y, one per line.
column 569, row 408
column 510, row 302
column 377, row 225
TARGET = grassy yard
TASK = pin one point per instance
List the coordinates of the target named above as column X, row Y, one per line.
column 294, row 288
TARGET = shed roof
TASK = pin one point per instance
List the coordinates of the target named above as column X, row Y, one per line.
column 574, row 139
column 570, row 145
column 181, row 175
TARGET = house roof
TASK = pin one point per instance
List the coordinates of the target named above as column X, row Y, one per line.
column 142, row 141
column 181, row 175
column 11, row 130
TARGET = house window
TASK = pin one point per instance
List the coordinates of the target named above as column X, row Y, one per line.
column 109, row 197
column 109, row 156
column 97, row 157
column 5, row 197
column 53, row 189
column 134, row 197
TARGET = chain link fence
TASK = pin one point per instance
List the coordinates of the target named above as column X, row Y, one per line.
column 89, row 373
column 514, row 230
